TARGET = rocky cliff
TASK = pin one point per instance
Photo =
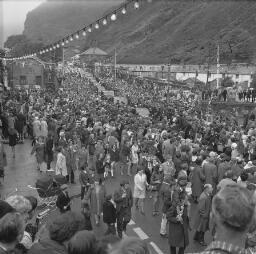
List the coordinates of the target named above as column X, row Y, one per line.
column 159, row 32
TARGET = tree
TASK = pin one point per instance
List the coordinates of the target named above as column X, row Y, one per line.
column 20, row 45
column 227, row 82
column 13, row 40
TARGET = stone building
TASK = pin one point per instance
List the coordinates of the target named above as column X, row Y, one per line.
column 31, row 73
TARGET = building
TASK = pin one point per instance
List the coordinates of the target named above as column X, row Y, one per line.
column 31, row 73
column 93, row 55
column 239, row 73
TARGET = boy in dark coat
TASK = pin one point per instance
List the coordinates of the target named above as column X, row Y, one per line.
column 84, row 179
column 63, row 200
column 109, row 215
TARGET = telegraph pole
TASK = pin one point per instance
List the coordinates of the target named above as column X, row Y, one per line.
column 218, row 64
column 115, row 65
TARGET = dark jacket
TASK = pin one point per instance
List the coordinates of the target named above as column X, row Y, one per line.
column 223, row 167
column 155, row 177
column 178, row 232
column 166, row 193
column 63, row 200
column 210, row 173
column 123, row 203
column 203, row 215
column 109, row 212
column 84, row 178
column 100, row 166
column 48, row 246
column 197, row 180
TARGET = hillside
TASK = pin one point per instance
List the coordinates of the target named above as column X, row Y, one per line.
column 159, row 32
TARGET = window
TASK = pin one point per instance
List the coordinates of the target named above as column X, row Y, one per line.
column 38, row 80
column 237, row 75
column 23, row 80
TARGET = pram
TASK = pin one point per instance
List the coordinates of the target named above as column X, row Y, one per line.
column 48, row 188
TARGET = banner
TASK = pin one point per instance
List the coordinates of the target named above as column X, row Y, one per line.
column 120, row 100
column 144, row 112
column 109, row 93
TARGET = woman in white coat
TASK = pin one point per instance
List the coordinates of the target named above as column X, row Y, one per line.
column 134, row 157
column 61, row 166
column 139, row 194
column 44, row 129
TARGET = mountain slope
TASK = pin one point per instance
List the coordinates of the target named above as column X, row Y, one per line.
column 159, row 32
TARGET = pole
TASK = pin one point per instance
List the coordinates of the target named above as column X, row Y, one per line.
column 169, row 70
column 115, row 65
column 63, row 55
column 218, row 64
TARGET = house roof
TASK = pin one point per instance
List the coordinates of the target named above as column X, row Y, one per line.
column 94, row 51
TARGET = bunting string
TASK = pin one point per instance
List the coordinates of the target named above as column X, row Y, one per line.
column 81, row 33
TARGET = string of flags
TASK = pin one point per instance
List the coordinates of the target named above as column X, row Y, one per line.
column 81, row 33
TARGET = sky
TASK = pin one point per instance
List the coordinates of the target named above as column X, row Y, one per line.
column 13, row 15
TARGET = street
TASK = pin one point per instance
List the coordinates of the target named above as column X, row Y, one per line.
column 21, row 172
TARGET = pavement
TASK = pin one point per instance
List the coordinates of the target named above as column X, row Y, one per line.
column 21, row 172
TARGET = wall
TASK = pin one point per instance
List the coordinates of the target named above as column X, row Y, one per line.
column 31, row 70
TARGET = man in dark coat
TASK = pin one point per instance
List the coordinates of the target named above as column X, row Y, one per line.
column 109, row 215
column 63, row 200
column 197, row 179
column 210, row 170
column 20, row 123
column 177, row 216
column 223, row 166
column 49, row 150
column 124, row 202
column 203, row 215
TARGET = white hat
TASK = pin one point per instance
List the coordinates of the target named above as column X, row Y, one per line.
column 212, row 154
column 248, row 165
column 234, row 145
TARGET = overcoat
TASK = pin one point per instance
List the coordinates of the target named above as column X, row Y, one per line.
column 140, row 186
column 203, row 213
column 210, row 173
column 223, row 167
column 197, row 179
column 123, row 205
column 70, row 160
column 36, row 128
column 61, row 166
column 44, row 129
column 96, row 199
column 178, row 232
column 39, row 149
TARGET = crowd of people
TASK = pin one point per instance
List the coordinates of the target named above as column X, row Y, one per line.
column 174, row 157
column 230, row 94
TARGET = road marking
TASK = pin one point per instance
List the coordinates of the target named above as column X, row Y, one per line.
column 131, row 223
column 156, row 248
column 140, row 233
